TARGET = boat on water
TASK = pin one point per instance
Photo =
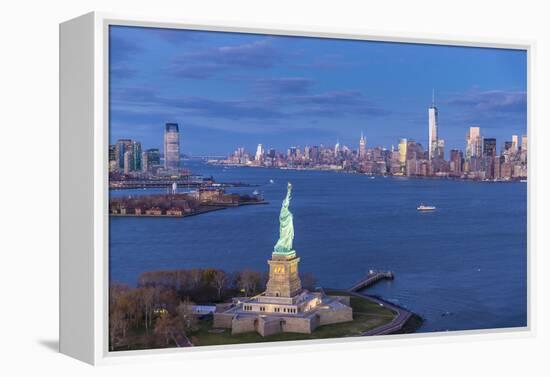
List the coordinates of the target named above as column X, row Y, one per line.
column 271, row 181
column 523, row 180
column 424, row 208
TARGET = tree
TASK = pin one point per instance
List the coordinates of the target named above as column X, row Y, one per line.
column 187, row 316
column 119, row 313
column 172, row 327
column 118, row 325
column 165, row 326
column 219, row 281
column 195, row 276
column 249, row 281
column 146, row 296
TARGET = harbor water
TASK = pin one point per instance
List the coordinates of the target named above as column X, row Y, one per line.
column 462, row 266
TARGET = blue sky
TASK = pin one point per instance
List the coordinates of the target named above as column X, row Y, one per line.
column 229, row 89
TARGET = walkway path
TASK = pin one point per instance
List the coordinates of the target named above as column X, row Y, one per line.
column 403, row 315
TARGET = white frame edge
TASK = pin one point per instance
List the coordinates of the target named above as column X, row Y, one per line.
column 84, row 115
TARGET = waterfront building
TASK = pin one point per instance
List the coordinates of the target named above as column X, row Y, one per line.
column 402, row 148
column 171, row 146
column 507, row 147
column 121, row 146
column 514, row 143
column 284, row 306
column 456, row 161
column 259, row 153
column 136, row 156
column 112, row 158
column 153, row 157
column 473, row 143
column 489, row 147
column 432, row 128
column 523, row 155
column 439, row 150
column 496, row 168
column 362, row 147
column 112, row 152
column 307, row 154
column 292, row 152
column 128, row 160
column 506, row 170
column 144, row 162
column 489, row 157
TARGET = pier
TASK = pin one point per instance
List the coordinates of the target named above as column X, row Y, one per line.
column 371, row 278
column 402, row 316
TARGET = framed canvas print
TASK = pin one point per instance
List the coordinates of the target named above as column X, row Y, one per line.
column 227, row 188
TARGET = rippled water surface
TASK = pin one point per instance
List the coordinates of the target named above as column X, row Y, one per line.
column 463, row 266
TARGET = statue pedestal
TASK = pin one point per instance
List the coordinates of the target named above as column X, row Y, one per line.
column 284, row 280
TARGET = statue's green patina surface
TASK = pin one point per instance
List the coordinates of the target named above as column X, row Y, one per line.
column 286, row 230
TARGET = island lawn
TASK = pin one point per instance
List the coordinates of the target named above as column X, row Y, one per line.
column 366, row 315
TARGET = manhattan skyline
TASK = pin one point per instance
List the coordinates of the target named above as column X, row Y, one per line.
column 227, row 89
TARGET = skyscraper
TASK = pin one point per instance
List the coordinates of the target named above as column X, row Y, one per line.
column 259, row 153
column 112, row 158
column 489, row 147
column 362, row 147
column 524, row 143
column 171, row 146
column 135, row 164
column 149, row 159
column 440, row 149
column 127, row 161
column 514, row 143
column 473, row 143
column 432, row 128
column 121, row 147
column 456, row 161
column 112, row 153
column 402, row 147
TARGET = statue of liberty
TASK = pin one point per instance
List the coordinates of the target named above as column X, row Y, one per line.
column 286, row 230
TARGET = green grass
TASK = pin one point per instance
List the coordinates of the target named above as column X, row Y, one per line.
column 366, row 315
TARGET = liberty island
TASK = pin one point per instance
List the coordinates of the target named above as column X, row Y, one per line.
column 285, row 306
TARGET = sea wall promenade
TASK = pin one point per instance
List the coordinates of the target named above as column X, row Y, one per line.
column 402, row 322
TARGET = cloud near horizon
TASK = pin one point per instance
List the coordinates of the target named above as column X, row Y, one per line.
column 207, row 63
column 492, row 100
column 274, row 108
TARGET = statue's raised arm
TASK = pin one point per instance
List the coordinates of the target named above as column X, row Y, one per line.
column 286, row 228
column 286, row 201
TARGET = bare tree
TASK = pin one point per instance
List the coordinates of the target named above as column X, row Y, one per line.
column 249, row 281
column 147, row 298
column 195, row 276
column 165, row 326
column 187, row 316
column 219, row 281
column 118, row 325
column 172, row 327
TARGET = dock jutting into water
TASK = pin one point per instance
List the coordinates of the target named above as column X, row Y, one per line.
column 371, row 278
column 402, row 315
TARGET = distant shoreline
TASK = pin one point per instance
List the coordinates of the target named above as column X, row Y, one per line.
column 198, row 212
column 342, row 171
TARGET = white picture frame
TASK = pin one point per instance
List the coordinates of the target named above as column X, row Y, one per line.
column 84, row 189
